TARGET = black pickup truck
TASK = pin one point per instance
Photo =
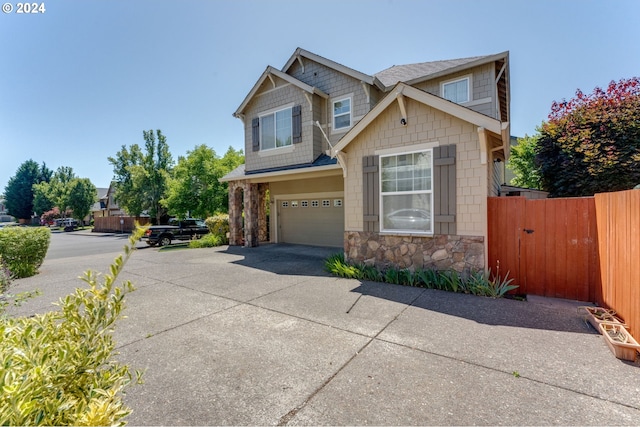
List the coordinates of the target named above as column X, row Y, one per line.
column 177, row 229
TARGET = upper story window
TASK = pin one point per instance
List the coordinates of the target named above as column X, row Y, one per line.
column 342, row 114
column 406, row 192
column 457, row 91
column 276, row 129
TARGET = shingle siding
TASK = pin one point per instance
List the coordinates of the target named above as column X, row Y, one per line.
column 483, row 88
column 283, row 95
column 425, row 124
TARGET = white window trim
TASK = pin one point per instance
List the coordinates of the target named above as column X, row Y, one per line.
column 273, row 112
column 333, row 117
column 468, row 77
column 431, row 194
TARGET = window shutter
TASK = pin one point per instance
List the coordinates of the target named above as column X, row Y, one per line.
column 370, row 193
column 296, row 123
column 255, row 134
column 444, row 198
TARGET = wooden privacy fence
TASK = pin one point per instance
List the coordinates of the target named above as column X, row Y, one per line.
column 584, row 249
column 111, row 224
column 618, row 240
column 548, row 246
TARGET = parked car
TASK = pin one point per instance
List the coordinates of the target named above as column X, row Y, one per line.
column 409, row 219
column 68, row 224
column 177, row 229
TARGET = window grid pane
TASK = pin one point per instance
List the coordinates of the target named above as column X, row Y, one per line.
column 342, row 114
column 276, row 129
column 406, row 192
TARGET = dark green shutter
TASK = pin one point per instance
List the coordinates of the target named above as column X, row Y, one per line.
column 255, row 134
column 296, row 119
column 444, row 189
column 371, row 193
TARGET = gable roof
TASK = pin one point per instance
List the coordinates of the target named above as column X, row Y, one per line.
column 403, row 89
column 268, row 72
column 416, row 73
column 301, row 53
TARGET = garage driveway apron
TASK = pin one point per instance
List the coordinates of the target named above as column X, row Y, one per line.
column 264, row 336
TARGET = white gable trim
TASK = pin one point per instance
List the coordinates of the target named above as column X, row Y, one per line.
column 267, row 74
column 436, row 102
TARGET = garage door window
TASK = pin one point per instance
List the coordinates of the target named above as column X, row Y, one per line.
column 285, row 204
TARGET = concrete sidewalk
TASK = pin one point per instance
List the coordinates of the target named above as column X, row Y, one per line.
column 263, row 336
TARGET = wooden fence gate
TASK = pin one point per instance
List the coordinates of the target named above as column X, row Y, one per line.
column 548, row 246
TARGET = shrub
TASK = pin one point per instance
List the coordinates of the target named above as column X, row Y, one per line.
column 58, row 367
column 24, row 248
column 207, row 241
column 477, row 283
column 219, row 225
column 5, row 277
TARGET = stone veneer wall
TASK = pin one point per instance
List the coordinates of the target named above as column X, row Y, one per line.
column 464, row 254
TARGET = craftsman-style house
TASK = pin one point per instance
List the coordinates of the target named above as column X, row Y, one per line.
column 394, row 167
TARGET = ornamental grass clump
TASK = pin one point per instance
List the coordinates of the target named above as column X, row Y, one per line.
column 59, row 367
column 477, row 283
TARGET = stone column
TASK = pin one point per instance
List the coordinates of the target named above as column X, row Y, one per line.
column 235, row 212
column 263, row 235
column 251, row 196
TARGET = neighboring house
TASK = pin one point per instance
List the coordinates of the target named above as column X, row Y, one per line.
column 99, row 208
column 394, row 167
column 106, row 205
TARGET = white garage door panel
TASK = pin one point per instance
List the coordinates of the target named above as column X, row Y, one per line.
column 318, row 226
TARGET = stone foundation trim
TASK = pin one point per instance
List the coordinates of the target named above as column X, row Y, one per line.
column 464, row 254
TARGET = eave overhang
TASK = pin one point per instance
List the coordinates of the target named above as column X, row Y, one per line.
column 287, row 174
column 480, row 61
column 402, row 91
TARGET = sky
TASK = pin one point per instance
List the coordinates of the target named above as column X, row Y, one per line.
column 85, row 77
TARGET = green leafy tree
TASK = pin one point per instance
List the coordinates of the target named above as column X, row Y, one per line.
column 19, row 194
column 41, row 200
column 194, row 188
column 141, row 178
column 591, row 143
column 522, row 163
column 82, row 195
column 128, row 197
column 67, row 191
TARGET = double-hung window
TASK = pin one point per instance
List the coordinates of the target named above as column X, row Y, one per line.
column 406, row 196
column 276, row 129
column 456, row 90
column 342, row 114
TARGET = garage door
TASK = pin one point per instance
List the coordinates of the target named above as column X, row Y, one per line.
column 317, row 222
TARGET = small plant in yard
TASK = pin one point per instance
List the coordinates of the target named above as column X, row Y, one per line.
column 336, row 265
column 219, row 225
column 207, row 241
column 58, row 367
column 5, row 277
column 477, row 283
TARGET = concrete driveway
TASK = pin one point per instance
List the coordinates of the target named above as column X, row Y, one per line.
column 263, row 336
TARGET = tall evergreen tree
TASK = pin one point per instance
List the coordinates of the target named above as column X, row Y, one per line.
column 19, row 193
